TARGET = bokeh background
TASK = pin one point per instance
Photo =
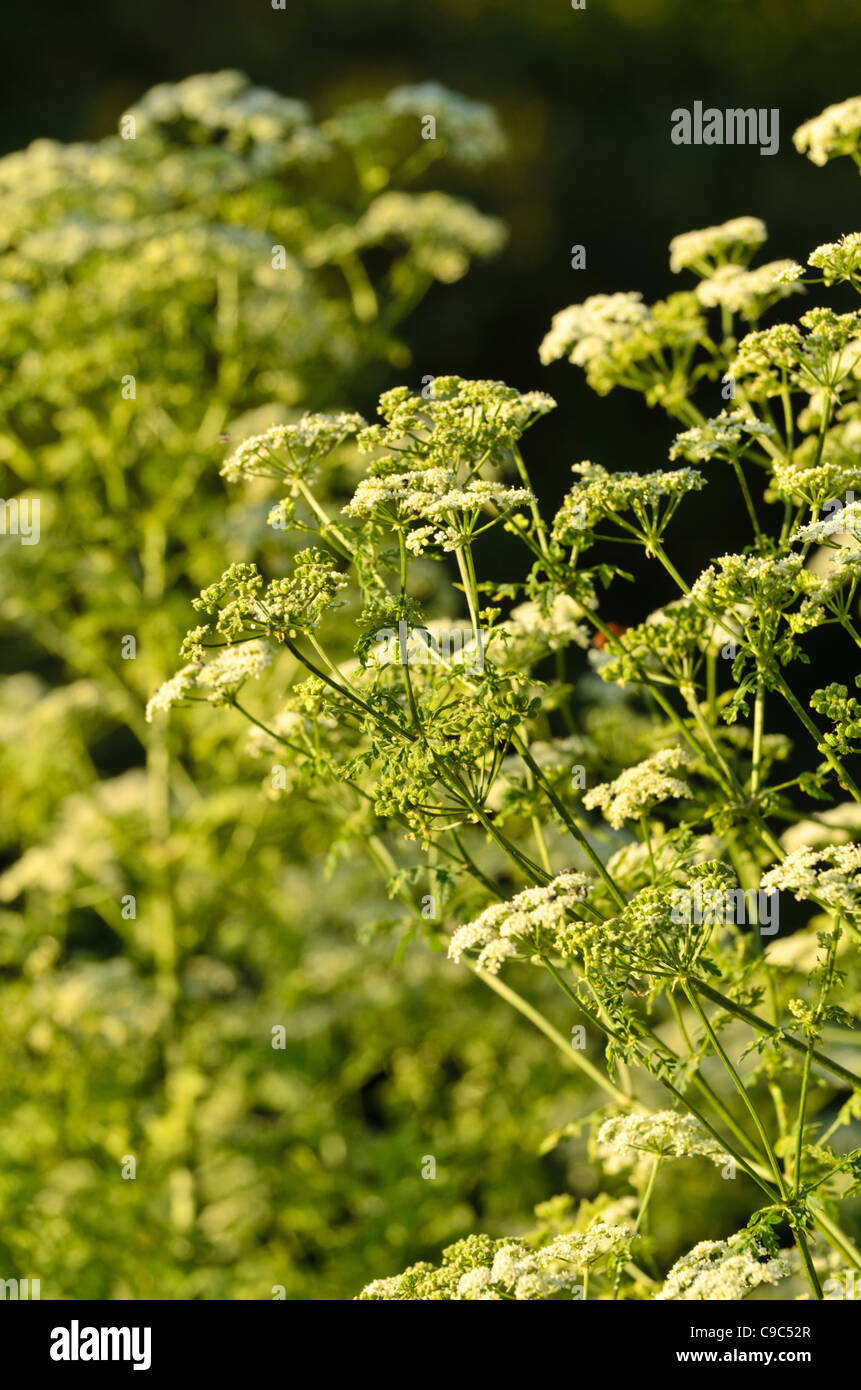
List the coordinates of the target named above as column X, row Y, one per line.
column 304, row 1169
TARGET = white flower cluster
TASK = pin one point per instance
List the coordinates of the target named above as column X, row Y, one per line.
column 583, row 331
column 475, row 421
column 432, row 494
column 529, row 632
column 290, row 450
column 509, row 928
column 533, row 1274
column 220, row 678
column 829, row 873
column 749, row 292
column 791, row 271
column 735, row 240
column 838, row 260
column 226, row 106
column 736, row 579
column 600, row 493
column 400, row 494
column 845, row 521
column 469, row 128
column 636, row 790
column 442, row 232
column 823, row 587
column 481, row 1270
column 664, row 1132
column 813, row 483
column 721, row 1270
column 173, row 691
column 835, row 131
column 765, row 358
column 725, row 435
column 226, row 672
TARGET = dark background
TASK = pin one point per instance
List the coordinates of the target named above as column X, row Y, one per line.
column 585, row 98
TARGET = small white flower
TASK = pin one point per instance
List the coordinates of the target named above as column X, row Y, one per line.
column 830, row 873
column 725, row 435
column 290, row 451
column 835, row 131
column 734, row 240
column 639, row 788
column 664, row 1132
column 173, row 691
column 749, row 292
column 720, row 1270
column 234, row 665
column 583, row 331
column 506, row 929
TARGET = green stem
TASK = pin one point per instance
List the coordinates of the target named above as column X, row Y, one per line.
column 738, row 1084
column 801, row 714
column 467, row 577
column 572, row 1054
column 647, row 840
column 591, row 854
column 758, row 728
column 748, row 501
column 761, row 1026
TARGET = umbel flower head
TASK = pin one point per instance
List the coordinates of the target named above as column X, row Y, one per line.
column 431, row 494
column 651, row 497
column 844, row 521
column 469, row 129
column 219, row 679
column 664, row 1132
column 723, row 1270
column 531, row 921
column 481, row 1269
column 240, row 604
column 224, row 107
column 828, row 592
column 663, row 645
column 442, row 233
column 291, row 451
column 585, row 331
column 726, row 436
column 831, row 874
column 618, row 340
column 766, row 583
column 434, row 447
column 638, row 789
column 838, row 260
column 815, row 483
column 749, row 292
column 471, row 423
column 173, row 691
column 771, row 359
column 732, row 242
column 835, row 131
column 766, row 360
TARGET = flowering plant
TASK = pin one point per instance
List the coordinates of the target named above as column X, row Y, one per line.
column 486, row 794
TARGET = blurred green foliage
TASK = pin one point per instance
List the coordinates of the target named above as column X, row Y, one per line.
column 160, row 917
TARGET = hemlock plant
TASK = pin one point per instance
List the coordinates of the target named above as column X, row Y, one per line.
column 470, row 777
